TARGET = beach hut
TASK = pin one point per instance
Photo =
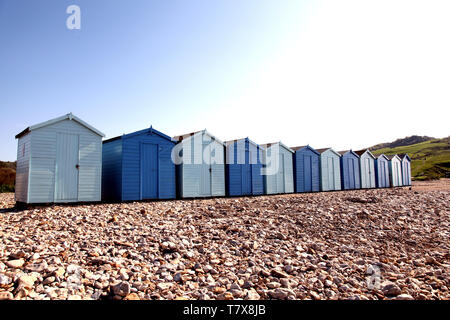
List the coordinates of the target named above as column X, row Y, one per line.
column 243, row 169
column 278, row 168
column 350, row 170
column 406, row 169
column 200, row 165
column 138, row 166
column 382, row 172
column 330, row 170
column 306, row 169
column 367, row 166
column 395, row 171
column 59, row 161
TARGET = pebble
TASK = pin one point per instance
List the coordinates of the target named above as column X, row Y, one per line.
column 6, row 296
column 277, row 247
column 16, row 264
column 391, row 289
column 121, row 289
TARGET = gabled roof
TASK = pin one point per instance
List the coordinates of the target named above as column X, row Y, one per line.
column 342, row 153
column 298, row 148
column 322, row 150
column 68, row 116
column 403, row 156
column 229, row 142
column 390, row 157
column 383, row 156
column 361, row 152
column 305, row 147
column 189, row 135
column 268, row 145
column 150, row 130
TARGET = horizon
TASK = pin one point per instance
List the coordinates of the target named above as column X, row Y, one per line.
column 345, row 75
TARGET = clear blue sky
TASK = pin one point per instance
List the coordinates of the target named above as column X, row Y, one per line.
column 271, row 70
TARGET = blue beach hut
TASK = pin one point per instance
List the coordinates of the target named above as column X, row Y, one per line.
column 382, row 172
column 138, row 166
column 306, row 169
column 243, row 169
column 330, row 171
column 406, row 169
column 200, row 165
column 350, row 170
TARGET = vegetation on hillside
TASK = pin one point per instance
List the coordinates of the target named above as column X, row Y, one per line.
column 402, row 142
column 430, row 159
column 7, row 176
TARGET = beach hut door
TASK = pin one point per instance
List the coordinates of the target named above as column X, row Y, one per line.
column 308, row 173
column 331, row 183
column 149, row 171
column 206, row 171
column 247, row 175
column 67, row 167
column 351, row 174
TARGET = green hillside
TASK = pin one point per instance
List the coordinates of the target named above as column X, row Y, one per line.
column 430, row 159
column 7, row 176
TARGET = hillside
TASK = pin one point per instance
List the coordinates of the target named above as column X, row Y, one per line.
column 430, row 159
column 402, row 142
column 7, row 176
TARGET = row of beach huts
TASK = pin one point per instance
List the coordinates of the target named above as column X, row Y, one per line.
column 65, row 160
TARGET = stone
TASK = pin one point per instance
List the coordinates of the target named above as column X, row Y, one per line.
column 4, row 280
column 289, row 268
column 219, row 290
column 241, row 245
column 37, row 267
column 49, row 280
column 178, row 277
column 278, row 273
column 121, row 289
column 273, row 285
column 16, row 264
column 279, row 294
column 404, row 297
column 6, row 296
column 225, row 296
column 59, row 272
column 285, row 283
column 391, row 289
column 315, row 295
column 164, row 285
column 132, row 296
column 26, row 282
column 252, row 294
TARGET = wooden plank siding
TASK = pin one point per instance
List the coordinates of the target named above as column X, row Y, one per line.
column 243, row 168
column 123, row 162
column 330, row 171
column 43, row 164
column 199, row 177
column 306, row 170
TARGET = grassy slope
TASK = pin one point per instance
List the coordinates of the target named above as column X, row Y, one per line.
column 7, row 176
column 430, row 159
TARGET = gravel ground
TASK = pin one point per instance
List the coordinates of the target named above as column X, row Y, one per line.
column 365, row 244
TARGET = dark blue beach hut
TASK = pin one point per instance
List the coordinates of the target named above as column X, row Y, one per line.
column 243, row 170
column 406, row 169
column 306, row 169
column 382, row 171
column 350, row 170
column 138, row 166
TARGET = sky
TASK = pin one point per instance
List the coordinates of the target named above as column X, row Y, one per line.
column 345, row 74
